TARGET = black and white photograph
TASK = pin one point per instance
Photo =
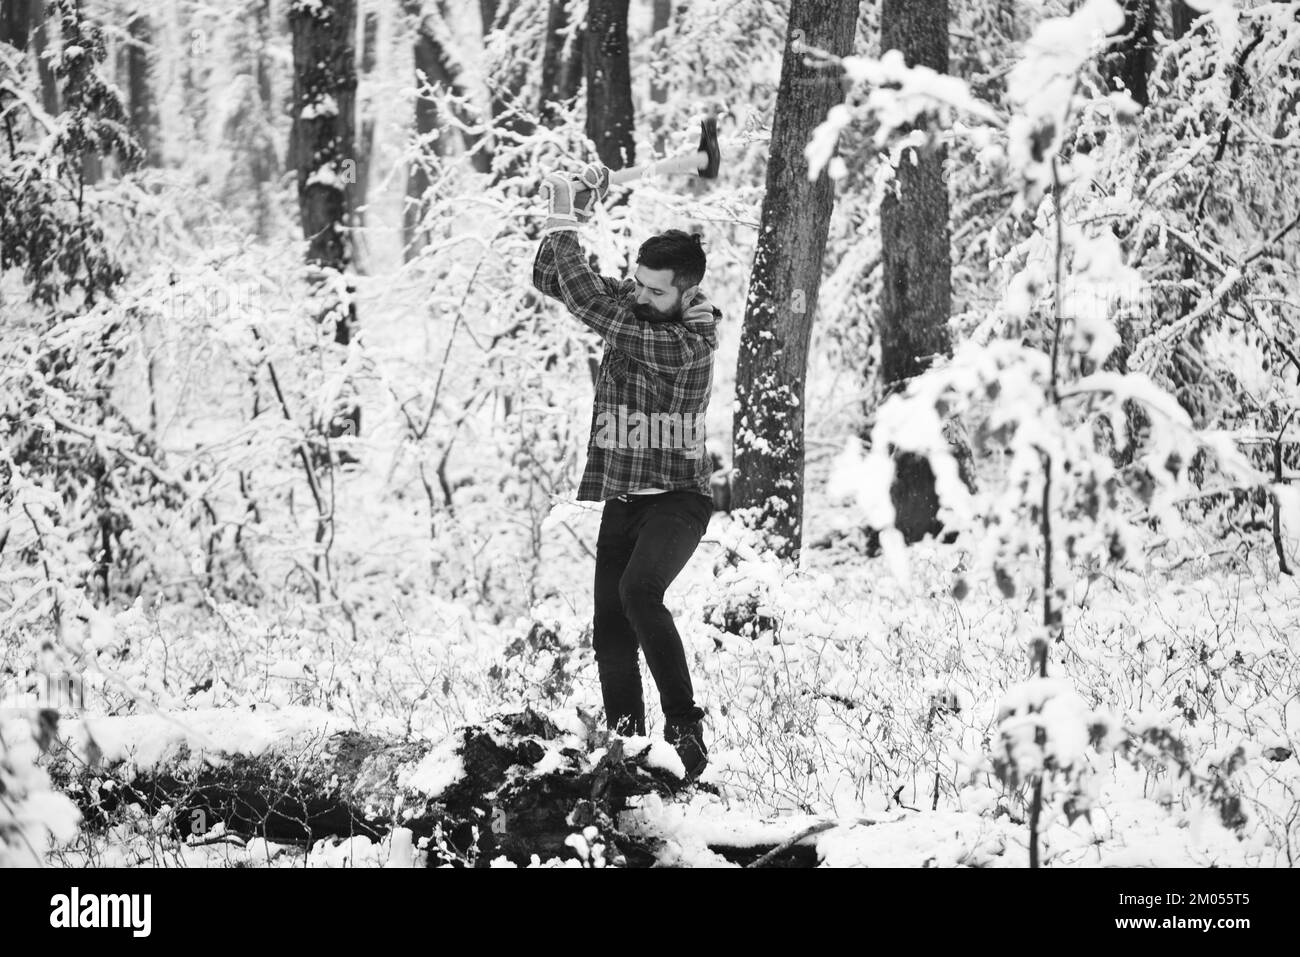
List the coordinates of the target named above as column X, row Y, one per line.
column 650, row 434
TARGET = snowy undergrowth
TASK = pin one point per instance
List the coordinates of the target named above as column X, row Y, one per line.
column 420, row 669
column 1177, row 701
column 855, row 696
column 33, row 815
column 845, row 692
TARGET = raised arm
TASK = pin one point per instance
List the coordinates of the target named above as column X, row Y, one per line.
column 547, row 281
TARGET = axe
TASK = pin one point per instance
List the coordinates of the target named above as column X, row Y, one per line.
column 703, row 162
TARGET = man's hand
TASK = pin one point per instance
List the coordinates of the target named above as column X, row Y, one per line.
column 558, row 191
column 571, row 199
column 700, row 309
column 591, row 189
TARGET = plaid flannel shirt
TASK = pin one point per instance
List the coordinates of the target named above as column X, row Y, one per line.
column 652, row 375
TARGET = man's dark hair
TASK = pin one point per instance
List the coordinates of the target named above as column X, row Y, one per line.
column 679, row 251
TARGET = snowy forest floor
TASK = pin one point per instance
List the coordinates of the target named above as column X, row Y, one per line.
column 861, row 699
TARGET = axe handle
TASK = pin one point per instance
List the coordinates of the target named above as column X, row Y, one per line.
column 690, row 163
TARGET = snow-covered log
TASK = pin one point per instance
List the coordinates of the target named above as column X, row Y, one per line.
column 514, row 787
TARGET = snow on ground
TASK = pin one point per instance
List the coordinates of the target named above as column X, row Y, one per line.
column 205, row 736
column 852, row 699
column 936, row 839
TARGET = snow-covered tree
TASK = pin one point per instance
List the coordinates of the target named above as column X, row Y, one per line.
column 1064, row 488
column 786, row 280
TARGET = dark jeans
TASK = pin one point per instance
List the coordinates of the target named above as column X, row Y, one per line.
column 642, row 546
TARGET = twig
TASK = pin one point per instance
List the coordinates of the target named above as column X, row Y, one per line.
column 1277, row 504
column 321, row 515
column 1035, row 810
column 1167, row 175
column 1234, row 91
column 791, row 842
column 1275, row 238
column 460, row 310
column 114, row 443
column 234, row 839
column 1277, row 340
column 1144, row 354
column 579, row 540
column 1193, row 247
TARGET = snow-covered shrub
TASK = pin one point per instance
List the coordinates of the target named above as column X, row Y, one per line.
column 33, row 815
column 1066, row 488
column 1044, row 731
column 90, row 500
column 1213, row 321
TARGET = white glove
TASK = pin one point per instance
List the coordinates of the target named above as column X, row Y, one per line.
column 701, row 308
column 591, row 189
column 558, row 191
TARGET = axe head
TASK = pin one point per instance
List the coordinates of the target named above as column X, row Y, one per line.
column 709, row 146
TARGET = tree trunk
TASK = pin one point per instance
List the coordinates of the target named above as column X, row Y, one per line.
column 510, row 121
column 264, row 164
column 16, row 18
column 561, row 73
column 369, row 34
column 249, row 132
column 436, row 68
column 92, row 160
column 196, row 54
column 1180, row 17
column 322, row 150
column 322, row 147
column 610, row 120
column 262, row 32
column 661, row 16
column 40, row 32
column 428, row 63
column 552, row 50
column 769, row 418
column 572, row 65
column 915, row 295
column 1130, row 64
column 139, row 72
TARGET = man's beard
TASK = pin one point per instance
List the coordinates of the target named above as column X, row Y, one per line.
column 648, row 313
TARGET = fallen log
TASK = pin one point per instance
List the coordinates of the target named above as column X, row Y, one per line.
column 515, row 787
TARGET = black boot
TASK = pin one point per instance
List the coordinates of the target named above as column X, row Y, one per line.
column 688, row 739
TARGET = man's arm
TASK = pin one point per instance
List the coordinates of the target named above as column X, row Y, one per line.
column 546, row 276
column 565, row 212
column 594, row 300
column 545, row 279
